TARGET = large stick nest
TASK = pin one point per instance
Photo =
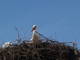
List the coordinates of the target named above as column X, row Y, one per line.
column 49, row 50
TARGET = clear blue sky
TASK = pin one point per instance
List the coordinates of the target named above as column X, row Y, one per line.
column 60, row 16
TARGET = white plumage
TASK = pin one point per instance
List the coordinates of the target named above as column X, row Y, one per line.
column 35, row 35
column 6, row 44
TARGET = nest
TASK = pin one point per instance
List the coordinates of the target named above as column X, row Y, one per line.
column 49, row 50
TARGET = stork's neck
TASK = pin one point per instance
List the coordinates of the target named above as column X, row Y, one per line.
column 34, row 31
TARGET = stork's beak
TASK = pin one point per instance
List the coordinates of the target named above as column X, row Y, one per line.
column 33, row 29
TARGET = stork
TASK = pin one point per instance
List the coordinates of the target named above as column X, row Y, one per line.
column 6, row 44
column 35, row 35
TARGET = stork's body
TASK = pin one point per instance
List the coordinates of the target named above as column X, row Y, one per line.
column 35, row 35
column 6, row 44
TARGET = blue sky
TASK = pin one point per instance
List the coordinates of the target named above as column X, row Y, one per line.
column 60, row 16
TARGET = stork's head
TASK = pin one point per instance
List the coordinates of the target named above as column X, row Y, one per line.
column 34, row 27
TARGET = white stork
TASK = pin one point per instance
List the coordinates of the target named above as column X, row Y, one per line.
column 6, row 44
column 35, row 35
